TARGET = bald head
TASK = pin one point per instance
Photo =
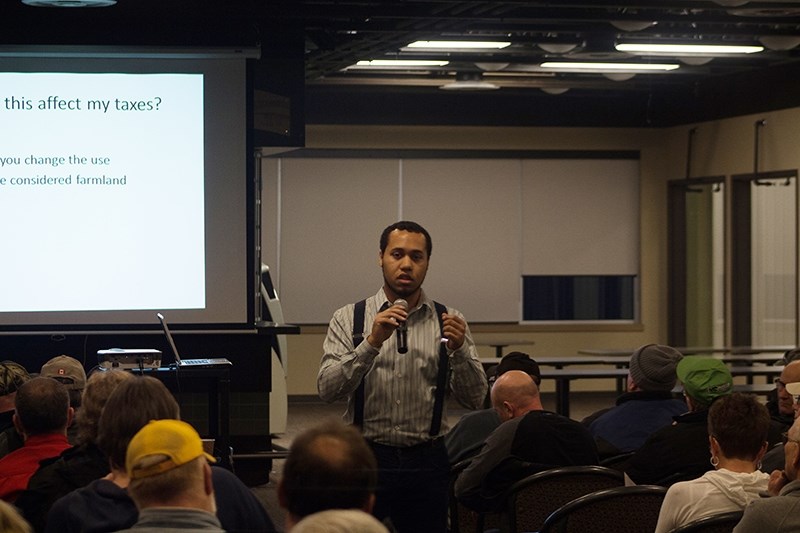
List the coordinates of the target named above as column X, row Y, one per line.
column 515, row 394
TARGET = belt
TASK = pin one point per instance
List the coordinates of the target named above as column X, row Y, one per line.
column 419, row 446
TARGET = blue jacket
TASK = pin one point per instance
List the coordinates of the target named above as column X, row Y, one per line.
column 637, row 415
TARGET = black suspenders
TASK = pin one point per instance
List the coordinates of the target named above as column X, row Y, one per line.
column 441, row 376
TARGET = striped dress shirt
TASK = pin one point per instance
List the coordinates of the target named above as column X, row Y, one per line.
column 399, row 388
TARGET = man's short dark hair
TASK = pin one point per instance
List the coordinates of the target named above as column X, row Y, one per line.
column 406, row 225
column 740, row 424
column 42, row 405
column 329, row 466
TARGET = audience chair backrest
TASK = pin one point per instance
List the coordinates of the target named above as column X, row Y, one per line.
column 532, row 499
column 716, row 523
column 617, row 462
column 462, row 518
column 618, row 510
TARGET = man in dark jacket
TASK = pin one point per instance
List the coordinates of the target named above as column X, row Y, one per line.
column 647, row 406
column 472, row 429
column 680, row 451
column 529, row 440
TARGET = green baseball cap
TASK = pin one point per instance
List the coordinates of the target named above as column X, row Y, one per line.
column 705, row 379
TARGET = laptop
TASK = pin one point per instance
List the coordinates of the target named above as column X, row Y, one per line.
column 213, row 362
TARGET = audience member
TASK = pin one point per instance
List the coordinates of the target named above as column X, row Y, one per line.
column 104, row 504
column 775, row 458
column 170, row 479
column 11, row 521
column 528, row 440
column 469, row 434
column 781, row 407
column 12, row 376
column 77, row 466
column 42, row 416
column 680, row 451
column 69, row 372
column 737, row 434
column 340, row 521
column 330, row 466
column 781, row 512
column 647, row 406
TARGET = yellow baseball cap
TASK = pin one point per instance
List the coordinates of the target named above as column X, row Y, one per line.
column 175, row 439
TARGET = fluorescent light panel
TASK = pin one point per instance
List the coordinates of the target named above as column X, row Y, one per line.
column 574, row 66
column 397, row 63
column 679, row 49
column 458, row 45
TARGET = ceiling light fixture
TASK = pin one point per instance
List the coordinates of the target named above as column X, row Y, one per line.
column 554, row 90
column 491, row 67
column 394, row 64
column 731, row 3
column 619, row 76
column 557, row 48
column 779, row 42
column 69, row 3
column 695, row 61
column 686, row 49
column 456, row 46
column 469, row 81
column 597, row 67
column 632, row 25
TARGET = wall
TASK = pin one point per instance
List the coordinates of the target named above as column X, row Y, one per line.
column 722, row 147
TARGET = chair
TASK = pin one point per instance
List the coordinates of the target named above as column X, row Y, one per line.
column 681, row 475
column 716, row 523
column 462, row 518
column 617, row 462
column 618, row 510
column 530, row 500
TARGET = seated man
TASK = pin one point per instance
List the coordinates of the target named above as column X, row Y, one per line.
column 329, row 466
column 647, row 406
column 469, row 434
column 681, row 449
column 339, row 521
column 12, row 376
column 781, row 512
column 170, row 480
column 69, row 372
column 42, row 416
column 529, row 440
column 781, row 408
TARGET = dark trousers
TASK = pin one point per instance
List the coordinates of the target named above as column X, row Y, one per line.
column 412, row 486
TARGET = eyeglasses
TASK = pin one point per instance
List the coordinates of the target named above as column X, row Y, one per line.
column 779, row 383
column 785, row 438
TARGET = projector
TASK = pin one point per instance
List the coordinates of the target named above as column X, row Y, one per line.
column 130, row 358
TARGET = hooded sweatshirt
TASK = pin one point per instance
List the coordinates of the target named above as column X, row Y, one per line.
column 717, row 491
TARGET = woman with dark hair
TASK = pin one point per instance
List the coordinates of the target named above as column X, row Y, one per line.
column 78, row 466
column 104, row 505
column 737, row 434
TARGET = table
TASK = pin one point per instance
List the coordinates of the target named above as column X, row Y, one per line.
column 217, row 382
column 500, row 344
column 563, row 377
column 695, row 350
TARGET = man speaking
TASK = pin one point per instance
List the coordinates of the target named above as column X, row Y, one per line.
column 398, row 399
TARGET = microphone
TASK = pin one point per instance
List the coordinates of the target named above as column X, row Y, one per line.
column 402, row 328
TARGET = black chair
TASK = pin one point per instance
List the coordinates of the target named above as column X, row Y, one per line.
column 716, row 523
column 531, row 500
column 618, row 510
column 617, row 462
column 683, row 475
column 462, row 518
